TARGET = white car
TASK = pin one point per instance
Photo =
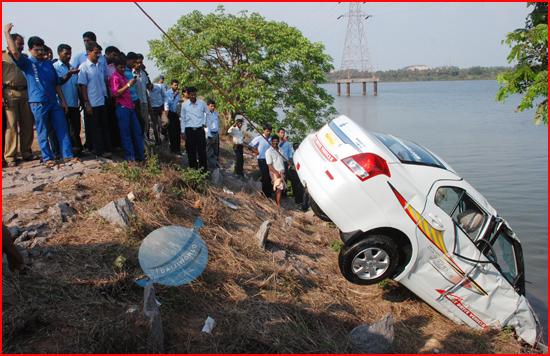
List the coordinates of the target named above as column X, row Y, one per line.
column 404, row 213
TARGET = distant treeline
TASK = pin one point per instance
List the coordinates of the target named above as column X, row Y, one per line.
column 439, row 73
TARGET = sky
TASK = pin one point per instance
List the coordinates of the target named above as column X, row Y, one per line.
column 398, row 34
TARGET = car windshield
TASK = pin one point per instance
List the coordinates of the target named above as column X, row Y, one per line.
column 409, row 152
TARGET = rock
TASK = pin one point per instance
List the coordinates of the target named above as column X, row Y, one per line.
column 15, row 231
column 61, row 212
column 288, row 223
column 253, row 186
column 118, row 212
column 227, row 191
column 431, row 346
column 279, row 255
column 23, row 237
column 157, row 190
column 29, row 213
column 38, row 187
column 373, row 339
column 217, row 177
column 9, row 217
column 39, row 241
column 262, row 233
column 36, row 225
column 23, row 244
column 131, row 196
column 81, row 195
column 229, row 204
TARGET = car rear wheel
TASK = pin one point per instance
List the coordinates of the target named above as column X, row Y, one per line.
column 370, row 260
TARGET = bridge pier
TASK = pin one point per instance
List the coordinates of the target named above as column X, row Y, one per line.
column 363, row 81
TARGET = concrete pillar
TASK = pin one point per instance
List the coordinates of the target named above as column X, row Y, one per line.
column 375, row 85
column 338, row 89
column 364, row 88
column 348, row 84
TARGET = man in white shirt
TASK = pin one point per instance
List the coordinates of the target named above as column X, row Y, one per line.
column 276, row 165
column 236, row 132
column 193, row 121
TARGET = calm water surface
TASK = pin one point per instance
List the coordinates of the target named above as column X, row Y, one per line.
column 500, row 152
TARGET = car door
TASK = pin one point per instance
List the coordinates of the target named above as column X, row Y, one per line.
column 469, row 263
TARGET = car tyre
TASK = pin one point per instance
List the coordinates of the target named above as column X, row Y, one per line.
column 370, row 260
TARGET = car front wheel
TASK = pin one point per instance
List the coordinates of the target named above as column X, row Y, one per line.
column 370, row 260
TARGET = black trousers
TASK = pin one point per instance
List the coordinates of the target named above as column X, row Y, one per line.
column 174, row 132
column 140, row 118
column 88, row 131
column 74, row 125
column 297, row 187
column 156, row 122
column 101, row 130
column 267, row 188
column 195, row 145
column 113, row 123
column 239, row 159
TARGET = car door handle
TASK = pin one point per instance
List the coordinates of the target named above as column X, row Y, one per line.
column 436, row 221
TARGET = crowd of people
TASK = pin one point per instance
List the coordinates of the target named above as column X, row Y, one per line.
column 121, row 108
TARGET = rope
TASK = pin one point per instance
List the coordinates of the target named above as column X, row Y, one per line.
column 199, row 70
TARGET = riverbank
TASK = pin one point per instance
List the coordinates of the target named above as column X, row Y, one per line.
column 449, row 73
column 79, row 295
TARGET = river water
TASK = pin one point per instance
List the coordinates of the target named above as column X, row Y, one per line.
column 500, row 152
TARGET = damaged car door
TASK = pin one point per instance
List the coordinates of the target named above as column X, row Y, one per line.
column 472, row 260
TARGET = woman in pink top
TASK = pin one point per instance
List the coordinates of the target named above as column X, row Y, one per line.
column 128, row 125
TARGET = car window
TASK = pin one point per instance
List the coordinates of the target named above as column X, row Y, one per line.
column 447, row 198
column 504, row 256
column 462, row 209
column 409, row 152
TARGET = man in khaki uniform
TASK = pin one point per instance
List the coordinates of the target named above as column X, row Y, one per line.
column 19, row 118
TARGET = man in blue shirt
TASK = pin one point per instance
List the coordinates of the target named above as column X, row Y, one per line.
column 193, row 121
column 80, row 58
column 260, row 144
column 171, row 101
column 212, row 135
column 91, row 80
column 157, row 96
column 43, row 84
column 69, row 86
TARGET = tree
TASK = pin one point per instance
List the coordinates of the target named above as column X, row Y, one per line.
column 530, row 75
column 261, row 67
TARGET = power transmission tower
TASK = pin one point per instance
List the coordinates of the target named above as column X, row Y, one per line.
column 356, row 54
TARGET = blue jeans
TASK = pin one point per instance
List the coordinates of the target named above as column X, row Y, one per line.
column 48, row 116
column 131, row 137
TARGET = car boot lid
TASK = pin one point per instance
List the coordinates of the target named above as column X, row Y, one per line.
column 343, row 138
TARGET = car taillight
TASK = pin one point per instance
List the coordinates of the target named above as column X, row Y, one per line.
column 367, row 165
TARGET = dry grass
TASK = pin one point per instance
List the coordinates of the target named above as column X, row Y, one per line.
column 76, row 300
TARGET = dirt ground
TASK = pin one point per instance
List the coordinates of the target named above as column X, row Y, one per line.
column 74, row 298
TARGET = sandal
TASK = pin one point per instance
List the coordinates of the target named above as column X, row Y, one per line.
column 73, row 160
column 50, row 164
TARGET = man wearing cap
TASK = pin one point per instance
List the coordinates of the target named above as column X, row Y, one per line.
column 19, row 120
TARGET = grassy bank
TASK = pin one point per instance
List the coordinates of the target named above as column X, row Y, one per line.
column 75, row 298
